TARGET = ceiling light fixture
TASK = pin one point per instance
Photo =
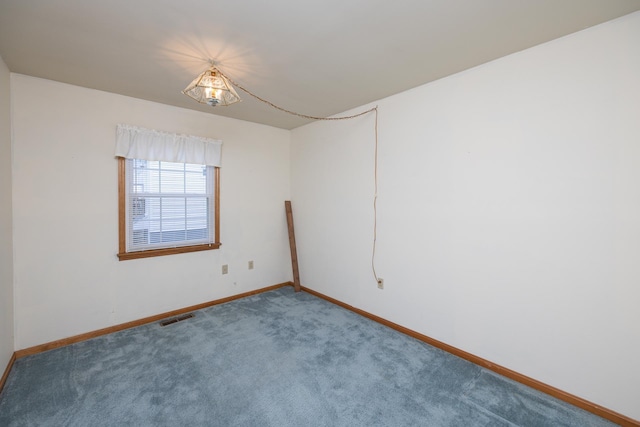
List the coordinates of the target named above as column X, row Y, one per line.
column 212, row 88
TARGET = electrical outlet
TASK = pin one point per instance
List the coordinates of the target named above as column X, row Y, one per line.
column 380, row 283
column 225, row 268
column 250, row 265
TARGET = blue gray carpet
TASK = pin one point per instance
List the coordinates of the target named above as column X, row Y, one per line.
column 273, row 359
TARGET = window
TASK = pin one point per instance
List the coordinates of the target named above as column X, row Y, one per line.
column 166, row 206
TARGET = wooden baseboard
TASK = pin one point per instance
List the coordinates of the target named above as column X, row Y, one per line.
column 535, row 384
column 523, row 379
column 7, row 370
column 93, row 334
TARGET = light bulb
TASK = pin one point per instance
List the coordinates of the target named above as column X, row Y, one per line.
column 212, row 96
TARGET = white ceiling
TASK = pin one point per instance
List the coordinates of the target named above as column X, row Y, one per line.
column 314, row 57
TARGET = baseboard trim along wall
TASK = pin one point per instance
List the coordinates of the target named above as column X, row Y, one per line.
column 523, row 379
column 88, row 335
column 6, row 371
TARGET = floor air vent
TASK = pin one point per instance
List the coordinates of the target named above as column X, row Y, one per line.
column 176, row 319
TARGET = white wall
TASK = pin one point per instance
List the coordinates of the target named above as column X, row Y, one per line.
column 68, row 279
column 6, row 234
column 509, row 212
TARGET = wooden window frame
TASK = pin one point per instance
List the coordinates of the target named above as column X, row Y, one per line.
column 123, row 255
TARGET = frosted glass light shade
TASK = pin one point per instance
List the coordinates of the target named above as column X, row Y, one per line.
column 212, row 88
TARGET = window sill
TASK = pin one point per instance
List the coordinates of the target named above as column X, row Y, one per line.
column 123, row 256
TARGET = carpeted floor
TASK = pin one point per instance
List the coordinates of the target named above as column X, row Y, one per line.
column 273, row 359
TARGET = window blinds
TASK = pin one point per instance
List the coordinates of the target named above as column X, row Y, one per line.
column 168, row 204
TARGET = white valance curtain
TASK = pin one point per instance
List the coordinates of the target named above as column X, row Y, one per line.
column 138, row 143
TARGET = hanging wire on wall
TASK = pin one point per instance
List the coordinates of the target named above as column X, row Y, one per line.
column 349, row 117
column 375, row 200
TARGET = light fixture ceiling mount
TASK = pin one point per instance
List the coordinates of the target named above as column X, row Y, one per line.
column 212, row 88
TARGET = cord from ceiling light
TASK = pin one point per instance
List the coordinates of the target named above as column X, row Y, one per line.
column 375, row 162
column 304, row 116
column 375, row 200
